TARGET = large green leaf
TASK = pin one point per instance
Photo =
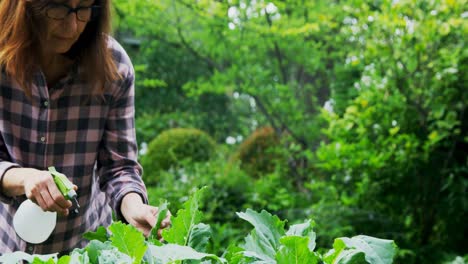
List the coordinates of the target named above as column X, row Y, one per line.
column 295, row 249
column 172, row 252
column 351, row 256
column 304, row 229
column 40, row 261
column 128, row 240
column 264, row 240
column 259, row 251
column 234, row 254
column 94, row 249
column 100, row 234
column 184, row 228
column 113, row 256
column 64, row 260
column 79, row 257
column 162, row 212
column 349, row 250
column 199, row 236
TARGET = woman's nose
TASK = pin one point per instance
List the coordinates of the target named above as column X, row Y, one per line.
column 71, row 21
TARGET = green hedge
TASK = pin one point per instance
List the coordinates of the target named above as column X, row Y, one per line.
column 175, row 146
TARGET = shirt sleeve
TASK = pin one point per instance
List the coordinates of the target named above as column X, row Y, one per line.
column 119, row 171
column 5, row 165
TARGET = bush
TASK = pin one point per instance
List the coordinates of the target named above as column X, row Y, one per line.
column 231, row 187
column 276, row 193
column 259, row 153
column 174, row 146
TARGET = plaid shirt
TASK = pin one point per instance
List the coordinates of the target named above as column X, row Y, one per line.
column 89, row 139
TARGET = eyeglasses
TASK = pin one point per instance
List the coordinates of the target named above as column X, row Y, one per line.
column 61, row 11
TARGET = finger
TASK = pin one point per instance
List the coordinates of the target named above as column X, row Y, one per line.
column 145, row 228
column 40, row 201
column 75, row 187
column 63, row 213
column 147, row 232
column 154, row 210
column 58, row 197
column 150, row 219
column 160, row 233
column 50, row 202
column 166, row 223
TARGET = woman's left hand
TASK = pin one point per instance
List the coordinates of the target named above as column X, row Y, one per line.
column 142, row 216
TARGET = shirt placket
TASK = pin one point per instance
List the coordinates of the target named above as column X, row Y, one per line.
column 42, row 132
column 43, row 120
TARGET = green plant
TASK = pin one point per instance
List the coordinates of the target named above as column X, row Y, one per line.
column 276, row 194
column 186, row 241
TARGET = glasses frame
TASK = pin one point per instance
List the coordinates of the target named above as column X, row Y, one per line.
column 94, row 11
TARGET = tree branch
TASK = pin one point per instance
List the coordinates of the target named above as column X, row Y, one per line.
column 263, row 105
column 278, row 54
column 195, row 53
column 267, row 115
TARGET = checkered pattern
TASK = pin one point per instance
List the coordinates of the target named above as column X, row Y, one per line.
column 89, row 139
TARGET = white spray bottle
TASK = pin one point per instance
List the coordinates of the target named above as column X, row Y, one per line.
column 33, row 224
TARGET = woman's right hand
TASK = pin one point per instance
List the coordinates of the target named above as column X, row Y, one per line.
column 39, row 187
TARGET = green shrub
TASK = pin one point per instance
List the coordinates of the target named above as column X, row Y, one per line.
column 276, row 193
column 259, row 153
column 231, row 186
column 172, row 147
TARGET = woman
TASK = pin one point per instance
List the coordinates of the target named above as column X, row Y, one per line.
column 66, row 100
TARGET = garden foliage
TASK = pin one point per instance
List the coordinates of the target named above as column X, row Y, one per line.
column 369, row 94
column 185, row 242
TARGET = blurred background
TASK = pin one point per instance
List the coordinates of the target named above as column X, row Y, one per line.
column 349, row 112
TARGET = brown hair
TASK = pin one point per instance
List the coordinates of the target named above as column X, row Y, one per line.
column 19, row 44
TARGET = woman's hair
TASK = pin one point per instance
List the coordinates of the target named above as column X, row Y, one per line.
column 20, row 44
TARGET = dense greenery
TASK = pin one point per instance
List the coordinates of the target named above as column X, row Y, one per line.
column 367, row 98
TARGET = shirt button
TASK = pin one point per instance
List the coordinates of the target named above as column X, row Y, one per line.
column 30, row 249
column 46, row 103
column 43, row 139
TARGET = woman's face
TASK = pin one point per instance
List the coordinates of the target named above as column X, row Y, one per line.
column 62, row 27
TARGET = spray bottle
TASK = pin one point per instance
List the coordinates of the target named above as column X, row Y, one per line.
column 33, row 224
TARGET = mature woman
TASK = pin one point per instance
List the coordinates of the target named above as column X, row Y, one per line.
column 66, row 100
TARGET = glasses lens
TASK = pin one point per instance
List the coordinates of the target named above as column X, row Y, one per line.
column 84, row 14
column 57, row 12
